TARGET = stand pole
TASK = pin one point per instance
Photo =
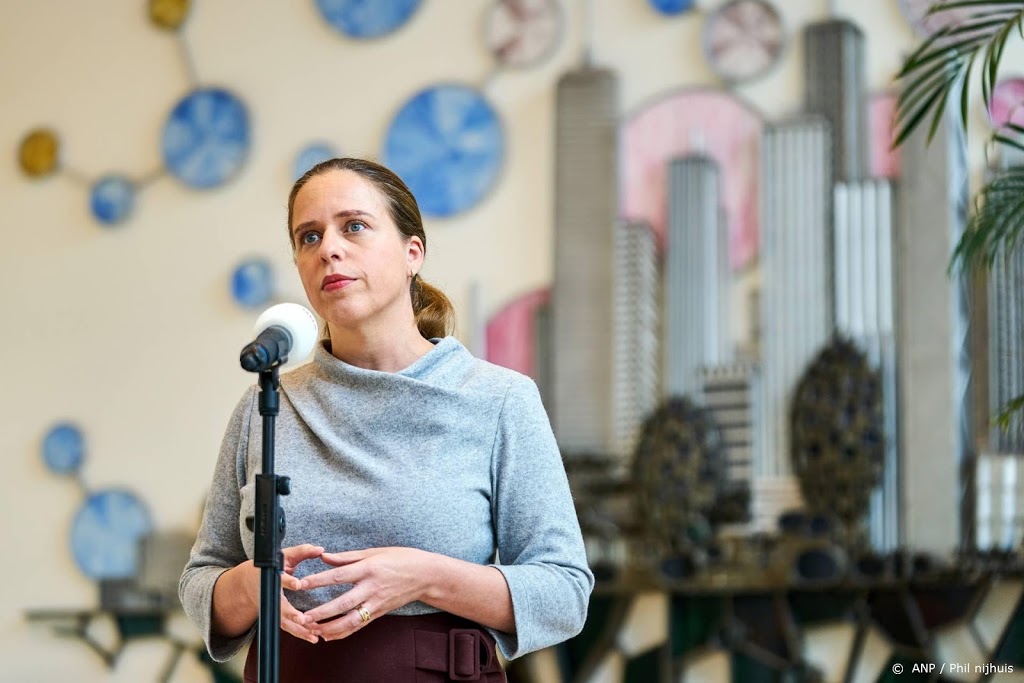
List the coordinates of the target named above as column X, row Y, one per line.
column 268, row 533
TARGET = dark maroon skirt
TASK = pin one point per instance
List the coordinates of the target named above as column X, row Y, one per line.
column 427, row 648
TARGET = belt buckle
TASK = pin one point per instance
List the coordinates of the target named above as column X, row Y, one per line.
column 453, row 638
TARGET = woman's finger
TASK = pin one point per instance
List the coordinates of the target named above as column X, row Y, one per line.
column 292, row 621
column 343, row 603
column 348, row 557
column 349, row 573
column 306, row 550
column 289, row 612
column 290, row 582
column 343, row 627
column 294, row 629
column 297, row 554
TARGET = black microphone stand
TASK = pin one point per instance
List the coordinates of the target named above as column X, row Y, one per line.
column 268, row 523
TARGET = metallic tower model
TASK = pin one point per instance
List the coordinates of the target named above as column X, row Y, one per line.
column 1000, row 501
column 797, row 317
column 1000, row 475
column 1006, row 346
column 637, row 348
column 835, row 89
column 696, row 312
column 730, row 394
column 865, row 297
column 586, row 218
column 932, row 339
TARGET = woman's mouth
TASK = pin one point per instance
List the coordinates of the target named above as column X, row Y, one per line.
column 333, row 283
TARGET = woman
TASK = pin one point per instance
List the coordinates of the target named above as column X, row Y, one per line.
column 430, row 516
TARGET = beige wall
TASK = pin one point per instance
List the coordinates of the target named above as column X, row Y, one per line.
column 131, row 331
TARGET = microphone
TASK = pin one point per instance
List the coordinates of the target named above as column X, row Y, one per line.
column 285, row 334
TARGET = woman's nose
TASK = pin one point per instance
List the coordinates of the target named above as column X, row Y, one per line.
column 332, row 246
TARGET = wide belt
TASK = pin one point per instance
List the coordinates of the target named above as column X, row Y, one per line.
column 462, row 653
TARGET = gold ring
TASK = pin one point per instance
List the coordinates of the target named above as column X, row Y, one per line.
column 364, row 613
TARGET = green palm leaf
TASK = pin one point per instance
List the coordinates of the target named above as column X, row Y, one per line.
column 1011, row 135
column 1004, row 419
column 996, row 226
column 941, row 67
column 995, row 230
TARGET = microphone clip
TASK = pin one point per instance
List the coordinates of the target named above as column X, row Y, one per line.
column 268, row 351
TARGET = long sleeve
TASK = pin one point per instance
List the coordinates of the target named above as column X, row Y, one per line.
column 540, row 547
column 218, row 546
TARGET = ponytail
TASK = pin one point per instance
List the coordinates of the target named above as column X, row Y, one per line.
column 435, row 315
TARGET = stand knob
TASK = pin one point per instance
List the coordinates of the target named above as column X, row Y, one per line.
column 284, row 486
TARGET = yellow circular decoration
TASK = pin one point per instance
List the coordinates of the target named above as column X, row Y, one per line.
column 168, row 14
column 38, row 153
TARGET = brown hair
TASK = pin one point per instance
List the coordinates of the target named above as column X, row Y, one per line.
column 434, row 313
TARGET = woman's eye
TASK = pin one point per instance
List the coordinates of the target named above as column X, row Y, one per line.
column 356, row 226
column 309, row 238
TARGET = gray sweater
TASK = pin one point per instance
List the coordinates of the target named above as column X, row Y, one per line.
column 452, row 455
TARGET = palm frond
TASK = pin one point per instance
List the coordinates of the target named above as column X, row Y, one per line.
column 1016, row 142
column 996, row 225
column 1010, row 134
column 1004, row 418
column 942, row 64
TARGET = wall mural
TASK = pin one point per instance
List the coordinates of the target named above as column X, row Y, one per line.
column 699, row 121
column 206, row 138
column 523, row 33
column 447, row 144
column 447, row 141
column 750, row 527
column 743, row 39
column 885, row 161
column 113, row 542
column 365, row 19
column 107, row 527
column 311, row 155
column 672, row 7
column 204, row 144
column 851, row 633
column 252, row 283
column 925, row 23
column 725, row 548
column 64, row 449
column 1007, row 103
column 511, row 332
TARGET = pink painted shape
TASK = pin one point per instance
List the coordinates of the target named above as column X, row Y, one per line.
column 510, row 333
column 885, row 161
column 1007, row 104
column 709, row 122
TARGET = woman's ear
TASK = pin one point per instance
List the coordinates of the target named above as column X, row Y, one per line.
column 414, row 254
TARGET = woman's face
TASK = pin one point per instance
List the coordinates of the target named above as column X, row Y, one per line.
column 353, row 261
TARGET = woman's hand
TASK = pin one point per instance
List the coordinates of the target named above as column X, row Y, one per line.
column 292, row 620
column 236, row 596
column 383, row 579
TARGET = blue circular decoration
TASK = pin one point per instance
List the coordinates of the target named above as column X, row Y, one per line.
column 310, row 156
column 252, row 283
column 206, row 138
column 447, row 144
column 367, row 18
column 112, row 199
column 672, row 7
column 64, row 449
column 105, row 534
